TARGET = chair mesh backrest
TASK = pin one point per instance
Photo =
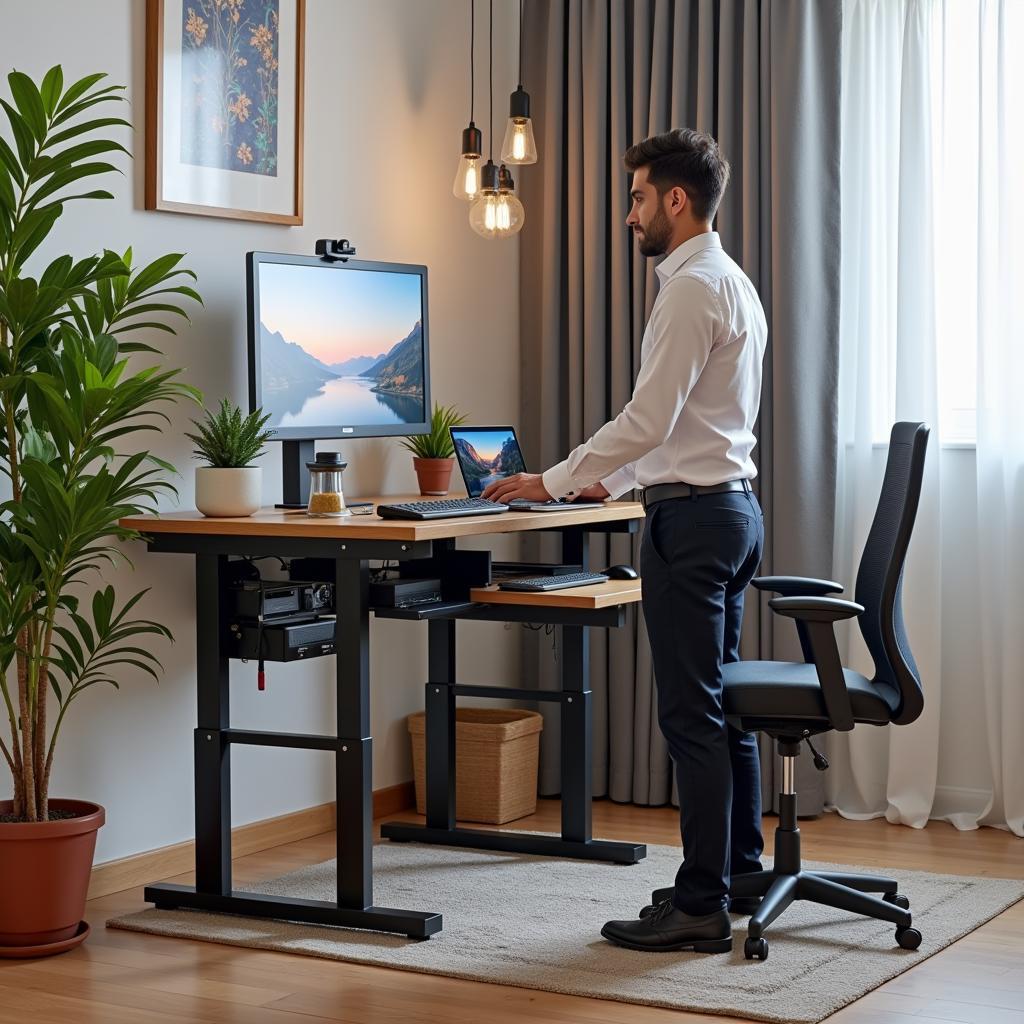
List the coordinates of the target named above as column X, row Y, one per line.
column 880, row 574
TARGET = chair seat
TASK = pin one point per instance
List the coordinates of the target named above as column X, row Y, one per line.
column 790, row 690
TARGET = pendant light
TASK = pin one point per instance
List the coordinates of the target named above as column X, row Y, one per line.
column 496, row 212
column 467, row 176
column 510, row 207
column 519, row 146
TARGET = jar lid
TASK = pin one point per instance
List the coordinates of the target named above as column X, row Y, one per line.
column 327, row 460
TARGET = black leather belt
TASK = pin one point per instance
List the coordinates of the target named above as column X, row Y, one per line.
column 662, row 492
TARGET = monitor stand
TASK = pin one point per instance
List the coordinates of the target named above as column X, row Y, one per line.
column 295, row 476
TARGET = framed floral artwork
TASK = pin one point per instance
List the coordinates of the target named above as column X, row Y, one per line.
column 224, row 85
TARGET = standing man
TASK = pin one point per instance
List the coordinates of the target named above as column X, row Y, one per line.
column 686, row 437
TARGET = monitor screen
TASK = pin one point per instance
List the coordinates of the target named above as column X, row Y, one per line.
column 486, row 454
column 338, row 349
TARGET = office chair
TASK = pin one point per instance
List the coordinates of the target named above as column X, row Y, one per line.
column 792, row 702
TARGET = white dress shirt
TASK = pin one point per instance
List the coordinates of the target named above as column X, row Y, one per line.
column 691, row 417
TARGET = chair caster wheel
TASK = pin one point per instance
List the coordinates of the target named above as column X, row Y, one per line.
column 758, row 949
column 908, row 938
column 897, row 899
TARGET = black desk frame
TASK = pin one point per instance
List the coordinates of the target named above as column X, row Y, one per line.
column 352, row 744
column 576, row 699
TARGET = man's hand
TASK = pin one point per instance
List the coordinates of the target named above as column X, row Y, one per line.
column 520, row 485
column 595, row 492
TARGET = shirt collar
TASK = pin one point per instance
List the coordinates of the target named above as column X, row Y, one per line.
column 681, row 253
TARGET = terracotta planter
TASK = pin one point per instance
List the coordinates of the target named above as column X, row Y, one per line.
column 434, row 475
column 44, row 874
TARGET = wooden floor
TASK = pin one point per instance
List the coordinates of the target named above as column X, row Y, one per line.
column 122, row 977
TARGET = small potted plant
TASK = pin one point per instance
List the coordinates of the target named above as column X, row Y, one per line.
column 229, row 485
column 433, row 453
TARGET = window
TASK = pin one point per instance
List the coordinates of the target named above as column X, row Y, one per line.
column 926, row 175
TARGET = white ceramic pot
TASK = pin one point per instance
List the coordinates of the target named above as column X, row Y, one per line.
column 229, row 492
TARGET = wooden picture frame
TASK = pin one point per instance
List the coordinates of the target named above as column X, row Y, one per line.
column 211, row 147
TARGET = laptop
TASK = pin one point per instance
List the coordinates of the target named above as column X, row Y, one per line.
column 487, row 454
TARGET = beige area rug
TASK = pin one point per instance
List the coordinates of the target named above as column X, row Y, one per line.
column 535, row 922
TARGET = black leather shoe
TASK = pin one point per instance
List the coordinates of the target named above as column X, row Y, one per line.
column 745, row 905
column 667, row 930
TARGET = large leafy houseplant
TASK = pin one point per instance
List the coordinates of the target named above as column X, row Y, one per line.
column 72, row 410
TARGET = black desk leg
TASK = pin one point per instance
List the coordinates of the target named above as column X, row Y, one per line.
column 576, row 547
column 577, row 735
column 439, row 744
column 354, row 759
column 577, row 750
column 354, row 769
column 212, row 756
column 577, row 712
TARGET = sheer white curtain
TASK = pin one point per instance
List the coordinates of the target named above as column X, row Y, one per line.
column 998, row 230
column 929, row 265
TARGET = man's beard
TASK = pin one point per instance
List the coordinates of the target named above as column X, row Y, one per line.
column 656, row 236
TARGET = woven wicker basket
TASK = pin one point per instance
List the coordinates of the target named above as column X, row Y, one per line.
column 496, row 752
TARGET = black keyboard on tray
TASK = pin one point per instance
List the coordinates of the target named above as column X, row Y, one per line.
column 541, row 583
column 445, row 508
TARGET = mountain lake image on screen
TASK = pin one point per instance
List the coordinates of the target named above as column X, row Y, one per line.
column 340, row 346
column 487, row 455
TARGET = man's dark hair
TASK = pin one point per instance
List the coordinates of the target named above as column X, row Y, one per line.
column 687, row 158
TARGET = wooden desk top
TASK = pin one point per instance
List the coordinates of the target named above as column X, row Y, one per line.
column 271, row 522
column 597, row 595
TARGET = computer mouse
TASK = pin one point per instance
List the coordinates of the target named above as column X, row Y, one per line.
column 621, row 572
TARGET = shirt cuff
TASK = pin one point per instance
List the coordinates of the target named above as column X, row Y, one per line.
column 617, row 483
column 558, row 482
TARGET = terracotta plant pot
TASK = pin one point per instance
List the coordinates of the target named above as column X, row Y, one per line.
column 44, row 873
column 434, row 475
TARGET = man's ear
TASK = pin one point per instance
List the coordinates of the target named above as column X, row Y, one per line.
column 677, row 200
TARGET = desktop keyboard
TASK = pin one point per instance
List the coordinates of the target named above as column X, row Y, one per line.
column 445, row 508
column 537, row 583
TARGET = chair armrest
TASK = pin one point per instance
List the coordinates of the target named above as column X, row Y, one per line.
column 815, row 619
column 794, row 586
column 815, row 609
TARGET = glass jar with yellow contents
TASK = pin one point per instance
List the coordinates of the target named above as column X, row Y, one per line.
column 326, row 497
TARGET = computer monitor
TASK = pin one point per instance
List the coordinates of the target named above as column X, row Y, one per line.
column 337, row 349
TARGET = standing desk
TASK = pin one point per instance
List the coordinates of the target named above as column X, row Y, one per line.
column 351, row 543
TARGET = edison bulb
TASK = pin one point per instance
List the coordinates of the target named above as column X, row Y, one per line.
column 496, row 215
column 519, row 146
column 467, row 178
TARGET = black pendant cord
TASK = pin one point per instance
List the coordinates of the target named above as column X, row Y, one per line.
column 490, row 66
column 472, row 57
column 520, row 82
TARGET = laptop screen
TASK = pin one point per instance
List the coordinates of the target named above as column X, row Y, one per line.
column 486, row 454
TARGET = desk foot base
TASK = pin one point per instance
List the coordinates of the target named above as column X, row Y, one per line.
column 516, row 842
column 414, row 924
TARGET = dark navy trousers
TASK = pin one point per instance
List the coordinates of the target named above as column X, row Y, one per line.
column 698, row 556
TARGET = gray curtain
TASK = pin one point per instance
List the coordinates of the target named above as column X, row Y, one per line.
column 762, row 76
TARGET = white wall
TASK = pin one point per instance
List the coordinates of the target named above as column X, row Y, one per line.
column 386, row 99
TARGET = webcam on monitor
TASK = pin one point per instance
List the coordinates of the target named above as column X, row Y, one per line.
column 334, row 249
